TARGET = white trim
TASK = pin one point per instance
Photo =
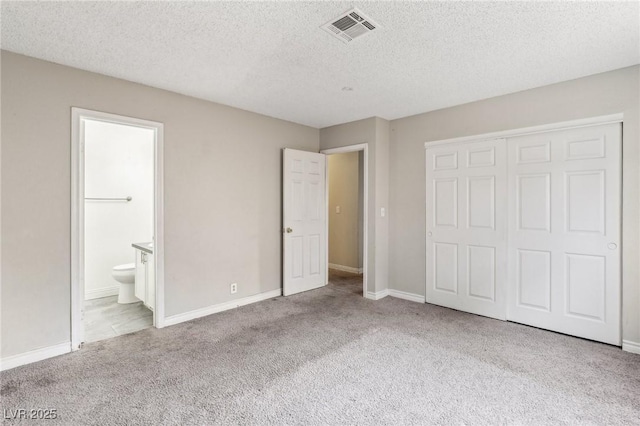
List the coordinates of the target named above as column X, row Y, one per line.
column 158, row 251
column 345, row 268
column 364, row 147
column 13, row 361
column 98, row 293
column 77, row 231
column 214, row 309
column 632, row 347
column 563, row 125
column 406, row 296
column 377, row 295
column 78, row 116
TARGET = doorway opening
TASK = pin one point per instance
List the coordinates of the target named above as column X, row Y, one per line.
column 117, row 268
column 347, row 218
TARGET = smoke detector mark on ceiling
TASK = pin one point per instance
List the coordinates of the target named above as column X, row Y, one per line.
column 349, row 26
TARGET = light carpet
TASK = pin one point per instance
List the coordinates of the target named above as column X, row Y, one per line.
column 331, row 357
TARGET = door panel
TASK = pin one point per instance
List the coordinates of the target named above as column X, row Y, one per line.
column 445, row 161
column 585, row 201
column 533, row 202
column 466, row 227
column 296, row 244
column 304, row 216
column 446, row 267
column 586, row 279
column 564, row 231
column 534, row 151
column 533, row 279
column 481, row 157
column 481, row 202
column 445, row 193
column 481, row 272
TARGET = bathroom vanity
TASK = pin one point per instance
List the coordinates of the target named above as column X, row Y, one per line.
column 145, row 287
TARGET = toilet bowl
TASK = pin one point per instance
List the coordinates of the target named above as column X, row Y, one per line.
column 126, row 276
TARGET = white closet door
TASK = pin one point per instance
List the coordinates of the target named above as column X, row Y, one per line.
column 466, row 227
column 564, row 231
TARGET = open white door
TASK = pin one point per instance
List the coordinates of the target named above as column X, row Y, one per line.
column 304, row 216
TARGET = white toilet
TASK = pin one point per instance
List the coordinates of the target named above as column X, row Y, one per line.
column 126, row 276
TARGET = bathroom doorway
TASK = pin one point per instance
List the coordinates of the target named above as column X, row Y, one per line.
column 116, row 226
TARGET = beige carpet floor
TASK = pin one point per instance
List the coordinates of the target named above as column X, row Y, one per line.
column 329, row 357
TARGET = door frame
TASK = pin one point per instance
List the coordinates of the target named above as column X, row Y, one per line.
column 543, row 128
column 78, row 116
column 364, row 147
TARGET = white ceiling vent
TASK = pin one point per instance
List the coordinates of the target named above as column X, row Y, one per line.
column 350, row 25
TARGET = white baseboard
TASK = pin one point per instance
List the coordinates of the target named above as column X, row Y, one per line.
column 630, row 346
column 13, row 361
column 345, row 268
column 97, row 293
column 377, row 295
column 213, row 309
column 406, row 296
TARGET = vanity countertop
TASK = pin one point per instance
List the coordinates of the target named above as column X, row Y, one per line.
column 145, row 247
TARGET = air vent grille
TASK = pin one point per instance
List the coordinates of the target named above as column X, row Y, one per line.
column 349, row 26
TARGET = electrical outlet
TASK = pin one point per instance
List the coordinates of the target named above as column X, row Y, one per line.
column 338, row 209
column 234, row 288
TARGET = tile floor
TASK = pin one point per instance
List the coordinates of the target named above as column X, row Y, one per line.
column 105, row 318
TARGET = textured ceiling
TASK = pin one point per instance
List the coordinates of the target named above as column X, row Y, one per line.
column 273, row 58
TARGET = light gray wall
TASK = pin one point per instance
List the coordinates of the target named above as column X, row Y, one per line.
column 222, row 194
column 601, row 94
column 372, row 132
column 343, row 226
column 382, row 202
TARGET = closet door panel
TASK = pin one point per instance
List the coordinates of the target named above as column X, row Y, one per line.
column 466, row 227
column 564, row 231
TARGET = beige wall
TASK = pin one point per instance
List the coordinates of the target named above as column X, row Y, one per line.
column 601, row 94
column 373, row 132
column 344, row 226
column 222, row 194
